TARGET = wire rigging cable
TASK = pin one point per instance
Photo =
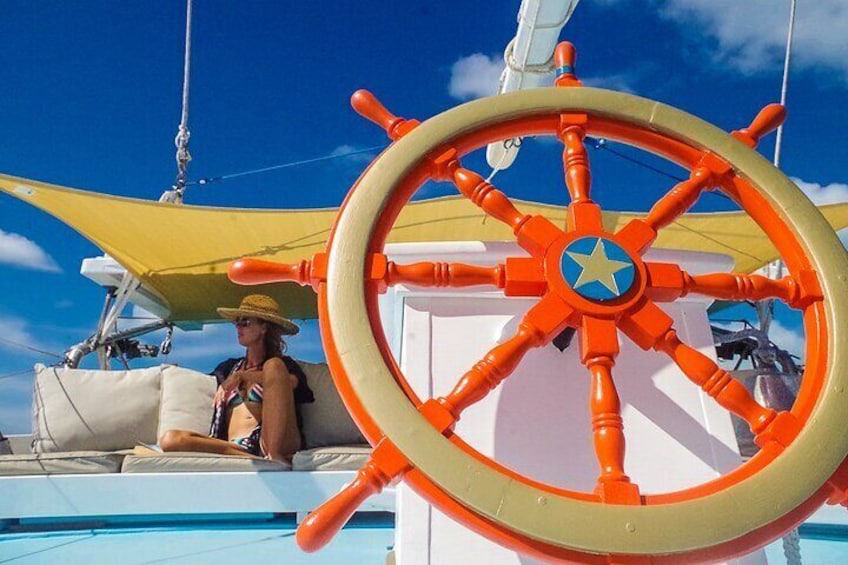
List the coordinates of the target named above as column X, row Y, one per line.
column 29, row 347
column 327, row 157
column 16, row 374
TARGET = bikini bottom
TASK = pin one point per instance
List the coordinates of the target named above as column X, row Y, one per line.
column 251, row 442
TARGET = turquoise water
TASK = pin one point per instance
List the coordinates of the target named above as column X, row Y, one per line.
column 270, row 539
column 821, row 544
column 366, row 543
column 813, row 552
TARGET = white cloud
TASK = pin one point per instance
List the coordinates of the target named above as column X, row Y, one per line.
column 475, row 76
column 205, row 348
column 621, row 82
column 212, row 344
column 18, row 251
column 190, row 348
column 833, row 193
column 751, row 35
column 14, row 330
column 349, row 153
column 785, row 338
column 18, row 338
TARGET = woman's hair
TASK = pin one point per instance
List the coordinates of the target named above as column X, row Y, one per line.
column 275, row 345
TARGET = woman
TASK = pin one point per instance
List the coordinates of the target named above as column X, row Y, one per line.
column 256, row 402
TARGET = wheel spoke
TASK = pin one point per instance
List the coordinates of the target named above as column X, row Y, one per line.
column 797, row 292
column 534, row 233
column 583, row 213
column 735, row 286
column 490, row 199
column 679, row 199
column 533, row 331
column 438, row 274
column 767, row 120
column 367, row 106
column 599, row 347
column 525, row 276
column 490, row 371
column 384, row 465
column 646, row 324
column 667, row 282
column 640, row 234
column 614, row 485
column 518, row 276
column 575, row 162
column 250, row 271
column 716, row 382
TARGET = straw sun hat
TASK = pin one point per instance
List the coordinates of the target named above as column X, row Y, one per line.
column 262, row 307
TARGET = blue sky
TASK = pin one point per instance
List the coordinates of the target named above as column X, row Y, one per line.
column 91, row 99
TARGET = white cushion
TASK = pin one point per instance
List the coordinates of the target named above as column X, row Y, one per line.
column 86, row 410
column 326, row 421
column 187, row 398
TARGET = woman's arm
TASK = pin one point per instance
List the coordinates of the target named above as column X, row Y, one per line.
column 280, row 436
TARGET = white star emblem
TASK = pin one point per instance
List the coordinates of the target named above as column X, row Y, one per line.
column 598, row 268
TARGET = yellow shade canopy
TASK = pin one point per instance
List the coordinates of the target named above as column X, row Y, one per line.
column 181, row 253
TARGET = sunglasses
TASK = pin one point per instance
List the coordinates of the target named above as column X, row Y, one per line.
column 245, row 322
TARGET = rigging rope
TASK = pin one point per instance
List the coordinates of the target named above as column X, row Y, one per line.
column 183, row 134
column 792, row 547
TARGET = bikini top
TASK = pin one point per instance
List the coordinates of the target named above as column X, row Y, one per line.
column 302, row 393
column 220, row 417
column 254, row 394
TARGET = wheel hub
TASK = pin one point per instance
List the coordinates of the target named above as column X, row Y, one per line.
column 597, row 268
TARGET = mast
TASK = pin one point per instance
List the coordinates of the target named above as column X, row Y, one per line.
column 765, row 309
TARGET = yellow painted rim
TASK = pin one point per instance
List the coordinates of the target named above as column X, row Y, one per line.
column 561, row 521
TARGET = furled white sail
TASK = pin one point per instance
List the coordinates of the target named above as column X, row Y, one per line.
column 528, row 60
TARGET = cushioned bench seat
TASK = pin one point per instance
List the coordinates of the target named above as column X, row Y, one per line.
column 90, row 421
column 335, row 458
column 62, row 463
column 190, row 462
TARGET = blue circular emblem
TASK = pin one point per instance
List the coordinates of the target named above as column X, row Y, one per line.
column 597, row 268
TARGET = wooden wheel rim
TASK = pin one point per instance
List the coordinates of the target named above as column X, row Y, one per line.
column 561, row 521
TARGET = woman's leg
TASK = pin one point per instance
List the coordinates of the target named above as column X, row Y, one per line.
column 280, row 437
column 182, row 440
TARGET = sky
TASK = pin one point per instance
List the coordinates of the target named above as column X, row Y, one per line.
column 91, row 97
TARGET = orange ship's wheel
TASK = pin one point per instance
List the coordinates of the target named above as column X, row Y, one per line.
column 723, row 517
column 596, row 281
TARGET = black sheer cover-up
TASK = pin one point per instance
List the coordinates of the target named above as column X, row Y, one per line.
column 220, row 417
